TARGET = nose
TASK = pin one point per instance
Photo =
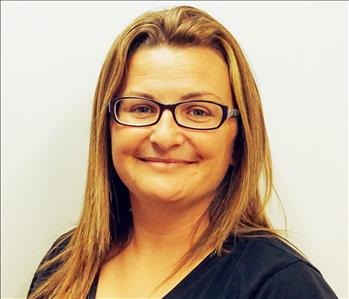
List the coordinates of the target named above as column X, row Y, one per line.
column 166, row 133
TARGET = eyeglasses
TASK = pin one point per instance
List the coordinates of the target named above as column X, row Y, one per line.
column 141, row 112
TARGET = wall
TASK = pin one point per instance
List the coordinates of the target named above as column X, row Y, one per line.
column 50, row 60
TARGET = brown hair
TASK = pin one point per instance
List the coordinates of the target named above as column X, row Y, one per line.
column 239, row 207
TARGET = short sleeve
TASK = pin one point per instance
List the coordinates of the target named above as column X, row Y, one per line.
column 297, row 280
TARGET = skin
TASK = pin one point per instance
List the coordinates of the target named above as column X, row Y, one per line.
column 170, row 171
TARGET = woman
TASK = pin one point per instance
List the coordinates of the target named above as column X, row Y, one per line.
column 173, row 206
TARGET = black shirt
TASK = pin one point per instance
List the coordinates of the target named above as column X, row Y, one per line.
column 257, row 268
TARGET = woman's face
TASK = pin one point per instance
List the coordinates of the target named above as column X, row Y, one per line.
column 164, row 162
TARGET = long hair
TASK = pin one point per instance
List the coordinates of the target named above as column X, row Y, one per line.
column 238, row 208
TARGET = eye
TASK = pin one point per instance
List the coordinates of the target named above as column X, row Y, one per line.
column 198, row 112
column 142, row 109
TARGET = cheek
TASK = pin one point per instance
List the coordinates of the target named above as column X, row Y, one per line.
column 217, row 157
column 124, row 139
column 115, row 152
column 115, row 145
column 229, row 139
column 121, row 153
column 121, row 147
column 220, row 149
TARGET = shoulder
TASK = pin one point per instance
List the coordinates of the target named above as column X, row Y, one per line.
column 56, row 248
column 254, row 267
column 270, row 268
column 267, row 254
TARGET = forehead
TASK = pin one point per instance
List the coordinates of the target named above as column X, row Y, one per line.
column 169, row 73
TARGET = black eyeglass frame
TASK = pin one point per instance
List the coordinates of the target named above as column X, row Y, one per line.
column 227, row 113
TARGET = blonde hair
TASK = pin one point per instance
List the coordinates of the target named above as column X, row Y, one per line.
column 239, row 207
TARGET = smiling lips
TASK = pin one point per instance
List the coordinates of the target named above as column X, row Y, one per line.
column 161, row 164
column 160, row 160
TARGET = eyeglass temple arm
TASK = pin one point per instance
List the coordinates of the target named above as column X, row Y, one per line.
column 233, row 112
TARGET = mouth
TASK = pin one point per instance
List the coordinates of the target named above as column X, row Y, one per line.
column 165, row 164
column 165, row 161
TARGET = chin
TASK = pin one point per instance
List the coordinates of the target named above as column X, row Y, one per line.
column 165, row 196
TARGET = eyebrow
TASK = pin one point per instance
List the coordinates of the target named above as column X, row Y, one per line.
column 185, row 97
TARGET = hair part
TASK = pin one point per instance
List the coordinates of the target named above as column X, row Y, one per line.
column 105, row 225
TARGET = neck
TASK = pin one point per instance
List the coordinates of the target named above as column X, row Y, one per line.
column 166, row 227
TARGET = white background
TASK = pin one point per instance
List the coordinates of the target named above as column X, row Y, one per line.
column 51, row 55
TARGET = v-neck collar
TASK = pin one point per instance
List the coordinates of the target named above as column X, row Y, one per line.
column 183, row 283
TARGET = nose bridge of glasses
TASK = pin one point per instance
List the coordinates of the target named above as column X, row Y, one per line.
column 170, row 107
